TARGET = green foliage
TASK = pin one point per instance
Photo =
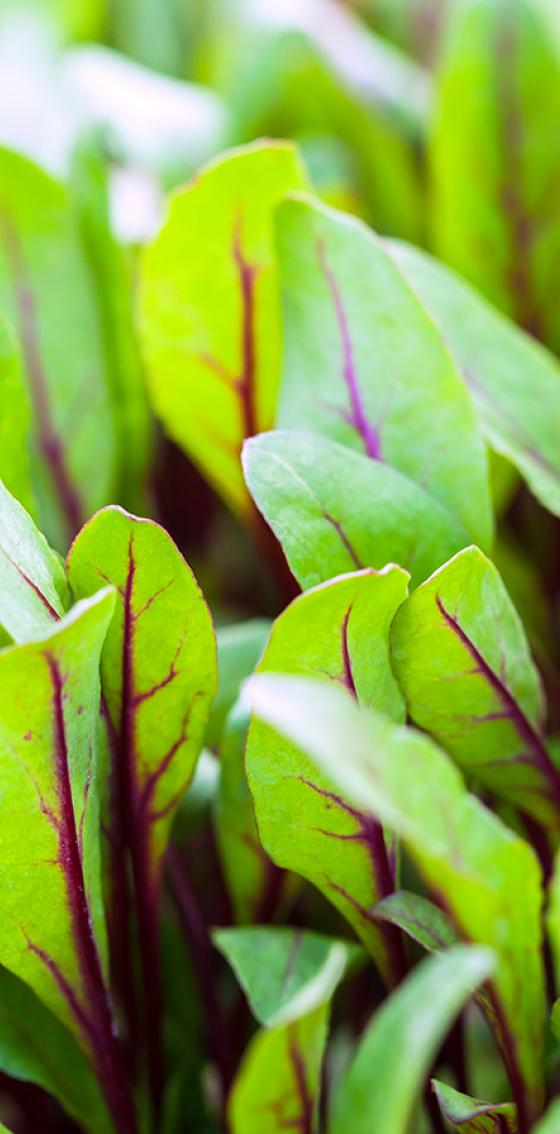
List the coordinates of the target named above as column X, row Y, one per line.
column 212, row 335
column 426, row 1004
column 346, row 303
column 478, row 865
column 462, row 660
column 325, row 898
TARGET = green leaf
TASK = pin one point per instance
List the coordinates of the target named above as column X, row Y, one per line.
column 462, row 660
column 550, row 1124
column 113, row 288
column 36, row 1048
column 419, row 918
column 365, row 365
column 33, row 588
column 340, row 633
column 256, row 886
column 472, row 1116
column 285, row 973
column 488, row 877
column 158, row 665
column 514, row 382
column 212, row 334
column 46, row 291
column 278, row 1084
column 382, row 1088
column 15, row 421
column 239, row 649
column 336, row 511
column 495, row 156
column 52, row 931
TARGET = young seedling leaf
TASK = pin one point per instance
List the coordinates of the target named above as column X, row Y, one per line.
column 514, row 382
column 383, row 1085
column 285, row 973
column 472, row 1116
column 46, row 291
column 36, row 1048
column 278, row 1084
column 495, row 156
column 336, row 511
column 419, row 918
column 15, row 421
column 52, row 932
column 158, row 665
column 158, row 674
column 212, row 334
column 33, row 588
column 256, row 887
column 364, row 363
column 338, row 632
column 462, row 660
column 487, row 878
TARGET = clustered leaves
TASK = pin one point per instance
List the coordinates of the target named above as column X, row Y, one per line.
column 299, row 873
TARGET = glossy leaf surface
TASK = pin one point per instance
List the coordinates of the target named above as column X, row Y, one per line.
column 158, row 665
column 338, row 632
column 33, row 588
column 462, row 659
column 301, row 484
column 488, row 878
column 364, row 364
column 212, row 335
column 285, row 973
column 514, row 382
column 472, row 1116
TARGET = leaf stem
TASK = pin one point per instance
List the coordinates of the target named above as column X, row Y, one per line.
column 200, row 948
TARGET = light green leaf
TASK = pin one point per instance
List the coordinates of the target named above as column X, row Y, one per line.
column 33, row 588
column 381, row 1089
column 239, row 649
column 256, row 886
column 550, row 1124
column 158, row 665
column 336, row 511
column 278, row 1084
column 212, row 334
column 365, row 365
column 419, row 918
column 462, row 660
column 15, row 421
column 514, row 382
column 52, row 931
column 46, row 291
column 338, row 632
column 472, row 1116
column 285, row 973
column 36, row 1048
column 488, row 877
column 495, row 156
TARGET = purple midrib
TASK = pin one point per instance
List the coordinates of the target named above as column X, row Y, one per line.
column 245, row 384
column 30, row 583
column 357, row 417
column 96, row 1021
column 48, row 439
column 512, row 709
